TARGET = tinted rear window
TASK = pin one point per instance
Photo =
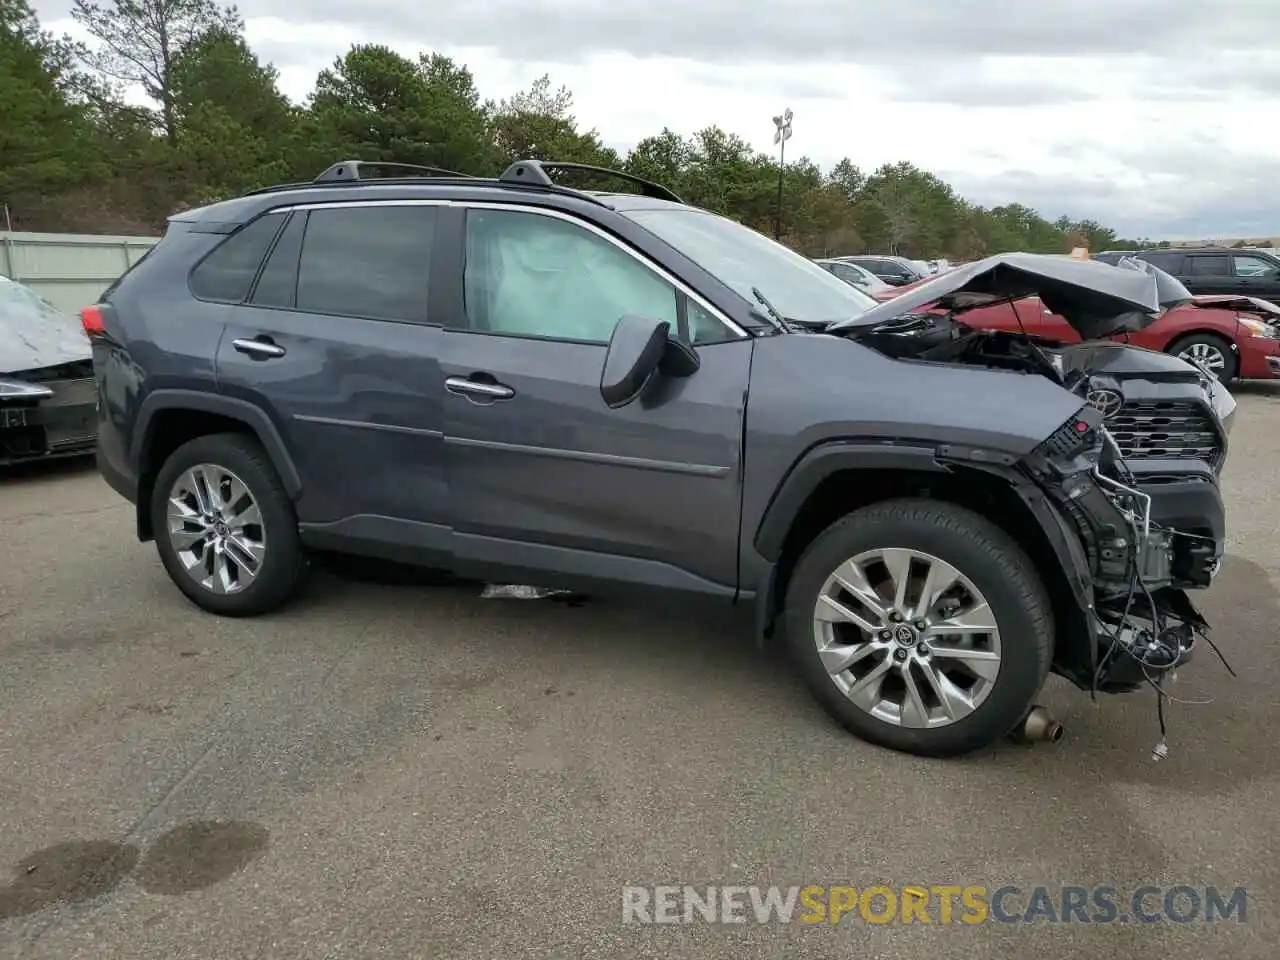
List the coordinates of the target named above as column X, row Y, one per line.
column 227, row 274
column 367, row 262
column 1211, row 266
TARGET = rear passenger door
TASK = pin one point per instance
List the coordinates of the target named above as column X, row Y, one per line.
column 336, row 340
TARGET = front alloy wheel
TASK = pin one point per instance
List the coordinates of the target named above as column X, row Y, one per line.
column 920, row 625
column 1206, row 354
column 907, row 638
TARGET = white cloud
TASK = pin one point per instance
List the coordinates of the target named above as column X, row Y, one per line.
column 1144, row 115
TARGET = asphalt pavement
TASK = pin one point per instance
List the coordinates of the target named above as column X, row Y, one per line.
column 405, row 771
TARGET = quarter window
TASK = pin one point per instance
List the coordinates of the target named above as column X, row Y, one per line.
column 278, row 284
column 227, row 274
column 368, row 262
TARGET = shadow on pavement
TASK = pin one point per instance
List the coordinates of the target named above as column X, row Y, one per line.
column 42, row 471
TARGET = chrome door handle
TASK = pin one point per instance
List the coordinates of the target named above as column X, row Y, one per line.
column 259, row 349
column 476, row 388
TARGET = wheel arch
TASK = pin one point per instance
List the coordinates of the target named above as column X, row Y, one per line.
column 169, row 418
column 837, row 479
column 1201, row 331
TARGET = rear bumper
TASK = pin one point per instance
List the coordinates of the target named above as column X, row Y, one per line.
column 122, row 483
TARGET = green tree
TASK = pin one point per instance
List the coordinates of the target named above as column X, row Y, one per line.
column 234, row 124
column 374, row 104
column 45, row 145
column 139, row 42
column 538, row 124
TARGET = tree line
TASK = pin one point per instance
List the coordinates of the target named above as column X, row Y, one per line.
column 77, row 155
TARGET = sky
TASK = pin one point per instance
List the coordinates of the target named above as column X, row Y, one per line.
column 1159, row 118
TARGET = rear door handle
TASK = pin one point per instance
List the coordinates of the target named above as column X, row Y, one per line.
column 462, row 386
column 259, row 349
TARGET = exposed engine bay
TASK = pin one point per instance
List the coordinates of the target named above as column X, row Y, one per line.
column 1135, row 473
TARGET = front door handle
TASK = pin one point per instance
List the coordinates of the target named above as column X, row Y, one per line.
column 481, row 390
column 258, row 348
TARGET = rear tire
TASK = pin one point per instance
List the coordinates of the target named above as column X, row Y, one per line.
column 1213, row 351
column 225, row 528
column 971, row 663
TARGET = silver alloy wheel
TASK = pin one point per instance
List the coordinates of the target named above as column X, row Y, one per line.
column 216, row 529
column 907, row 637
column 1207, row 355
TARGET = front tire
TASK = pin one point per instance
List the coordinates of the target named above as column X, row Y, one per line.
column 225, row 528
column 920, row 626
column 1214, row 352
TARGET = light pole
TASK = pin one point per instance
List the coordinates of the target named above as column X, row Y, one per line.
column 781, row 134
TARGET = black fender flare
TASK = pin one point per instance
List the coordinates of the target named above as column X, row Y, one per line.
column 253, row 417
column 820, row 462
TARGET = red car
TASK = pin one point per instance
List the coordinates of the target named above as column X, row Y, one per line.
column 1234, row 337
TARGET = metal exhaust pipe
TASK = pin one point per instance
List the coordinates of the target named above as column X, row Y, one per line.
column 1039, row 725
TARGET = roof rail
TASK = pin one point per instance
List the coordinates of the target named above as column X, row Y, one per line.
column 535, row 172
column 345, row 171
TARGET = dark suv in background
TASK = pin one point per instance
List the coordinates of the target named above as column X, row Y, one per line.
column 895, row 271
column 520, row 382
column 1213, row 270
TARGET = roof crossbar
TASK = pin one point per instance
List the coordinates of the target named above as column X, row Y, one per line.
column 536, row 172
column 345, row 171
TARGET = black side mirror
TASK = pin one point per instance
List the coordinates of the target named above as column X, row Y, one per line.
column 641, row 350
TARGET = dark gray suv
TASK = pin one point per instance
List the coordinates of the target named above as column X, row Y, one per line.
column 515, row 381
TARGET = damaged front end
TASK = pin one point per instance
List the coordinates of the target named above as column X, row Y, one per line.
column 1128, row 487
column 1141, row 623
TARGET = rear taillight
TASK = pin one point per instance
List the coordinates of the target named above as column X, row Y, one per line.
column 91, row 320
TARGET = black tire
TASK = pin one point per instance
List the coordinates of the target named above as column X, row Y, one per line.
column 995, row 565
column 284, row 564
column 1231, row 367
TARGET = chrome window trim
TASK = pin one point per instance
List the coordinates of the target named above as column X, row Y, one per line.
column 636, row 255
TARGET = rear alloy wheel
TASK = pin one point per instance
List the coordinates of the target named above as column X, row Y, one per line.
column 920, row 626
column 225, row 528
column 1213, row 353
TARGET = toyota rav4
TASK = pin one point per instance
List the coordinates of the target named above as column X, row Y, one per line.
column 516, row 381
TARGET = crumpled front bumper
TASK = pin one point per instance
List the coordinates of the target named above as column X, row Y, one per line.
column 46, row 419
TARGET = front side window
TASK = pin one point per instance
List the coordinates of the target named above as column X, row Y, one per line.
column 743, row 259
column 533, row 275
column 1252, row 266
column 847, row 274
column 227, row 273
column 370, row 262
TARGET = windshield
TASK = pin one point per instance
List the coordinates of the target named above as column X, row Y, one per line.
column 741, row 258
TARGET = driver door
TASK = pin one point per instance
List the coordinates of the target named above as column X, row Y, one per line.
column 547, row 484
column 1255, row 276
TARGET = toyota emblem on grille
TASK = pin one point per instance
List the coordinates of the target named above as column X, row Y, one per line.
column 1106, row 402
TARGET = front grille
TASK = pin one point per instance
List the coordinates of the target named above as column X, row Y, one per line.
column 75, row 370
column 1166, row 430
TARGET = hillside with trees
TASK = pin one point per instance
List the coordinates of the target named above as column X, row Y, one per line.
column 77, row 155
